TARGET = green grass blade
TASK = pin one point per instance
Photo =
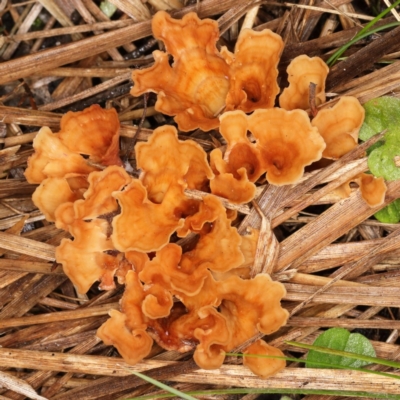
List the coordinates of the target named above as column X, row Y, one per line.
column 174, row 392
column 335, row 56
column 363, row 33
column 379, row 17
column 322, row 364
column 278, row 391
column 374, row 360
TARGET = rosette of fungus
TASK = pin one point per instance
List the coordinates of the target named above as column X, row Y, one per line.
column 245, row 307
column 85, row 259
column 240, row 166
column 339, row 126
column 58, row 165
column 287, row 143
column 302, row 71
column 168, row 166
column 203, row 81
column 253, row 71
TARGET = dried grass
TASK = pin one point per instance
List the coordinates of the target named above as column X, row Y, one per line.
column 339, row 265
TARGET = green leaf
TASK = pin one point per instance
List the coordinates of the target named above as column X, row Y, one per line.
column 340, row 339
column 381, row 162
column 108, row 8
column 382, row 113
column 390, row 214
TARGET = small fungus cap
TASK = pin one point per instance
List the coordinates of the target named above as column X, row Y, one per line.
column 287, row 143
column 240, row 166
column 164, row 158
column 302, row 71
column 138, row 213
column 372, row 189
column 263, row 367
column 254, row 71
column 93, row 132
column 339, row 126
column 133, row 345
column 53, row 159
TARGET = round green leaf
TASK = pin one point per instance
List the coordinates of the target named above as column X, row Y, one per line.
column 381, row 162
column 390, row 214
column 382, row 113
column 340, row 339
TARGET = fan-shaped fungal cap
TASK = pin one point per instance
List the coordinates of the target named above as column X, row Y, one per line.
column 94, row 132
column 302, row 71
column 372, row 189
column 194, row 88
column 98, row 199
column 241, row 164
column 164, row 269
column 263, row 367
column 219, row 245
column 250, row 306
column 83, row 258
column 138, row 213
column 133, row 345
column 203, row 81
column 254, row 71
column 53, row 159
column 164, row 159
column 339, row 126
column 287, row 143
column 52, row 193
column 213, row 337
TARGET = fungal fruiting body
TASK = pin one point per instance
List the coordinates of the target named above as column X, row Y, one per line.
column 202, row 81
column 198, row 299
column 199, row 296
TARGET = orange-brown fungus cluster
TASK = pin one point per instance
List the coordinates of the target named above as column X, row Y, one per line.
column 198, row 296
column 199, row 299
column 285, row 143
column 202, row 82
column 58, row 164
